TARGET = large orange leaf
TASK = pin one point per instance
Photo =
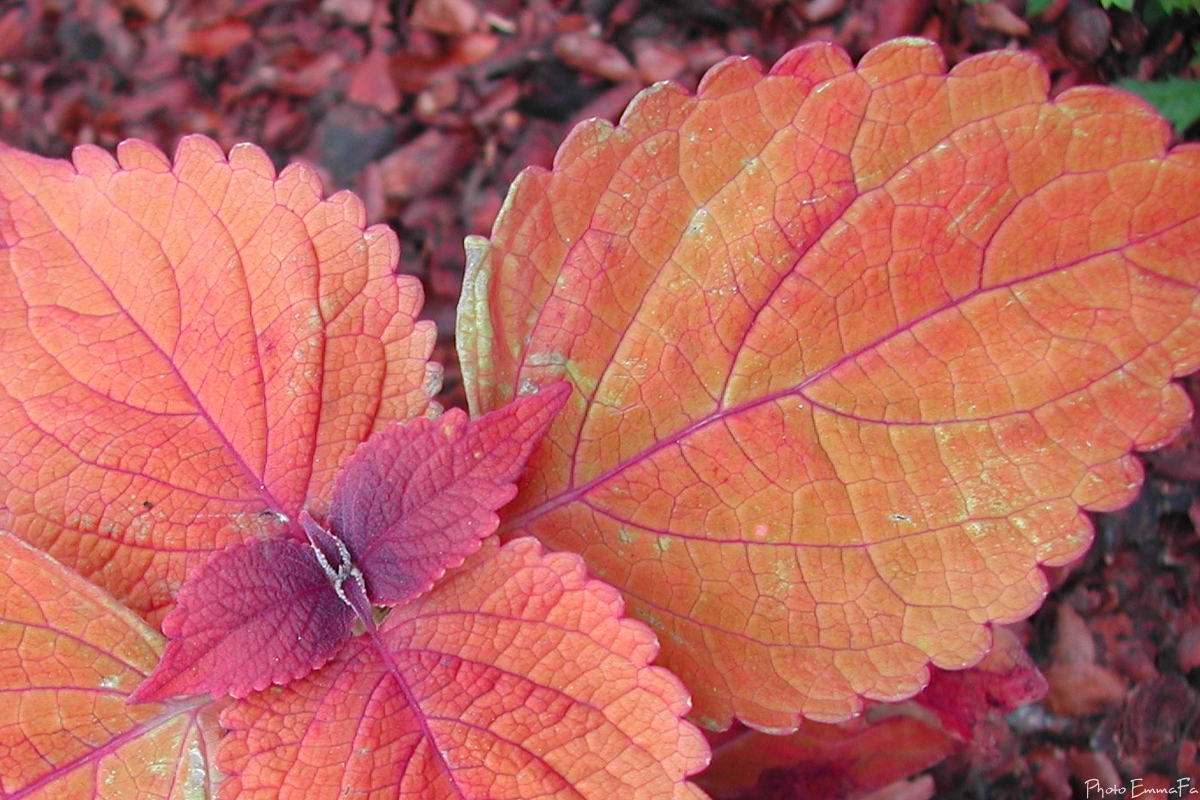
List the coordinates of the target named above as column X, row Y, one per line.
column 191, row 351
column 854, row 347
column 69, row 656
column 514, row 677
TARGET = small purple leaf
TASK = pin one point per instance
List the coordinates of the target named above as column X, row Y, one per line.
column 339, row 568
column 255, row 614
column 414, row 500
column 419, row 497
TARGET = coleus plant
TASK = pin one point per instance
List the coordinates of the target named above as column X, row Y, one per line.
column 213, row 412
column 843, row 353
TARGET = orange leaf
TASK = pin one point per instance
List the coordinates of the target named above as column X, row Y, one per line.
column 69, row 656
column 514, row 677
column 191, row 351
column 853, row 347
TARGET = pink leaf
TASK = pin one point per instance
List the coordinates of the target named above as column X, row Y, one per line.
column 825, row 761
column 414, row 499
column 254, row 615
column 1006, row 679
column 419, row 497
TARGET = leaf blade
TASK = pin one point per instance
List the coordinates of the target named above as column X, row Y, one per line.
column 491, row 719
column 70, row 655
column 196, row 400
column 255, row 614
column 420, row 496
column 808, row 448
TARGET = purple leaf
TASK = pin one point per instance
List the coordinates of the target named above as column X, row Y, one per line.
column 416, row 499
column 413, row 500
column 253, row 615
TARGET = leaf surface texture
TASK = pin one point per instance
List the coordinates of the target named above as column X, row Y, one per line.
column 192, row 349
column 514, row 677
column 853, row 349
column 414, row 499
column 69, row 657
